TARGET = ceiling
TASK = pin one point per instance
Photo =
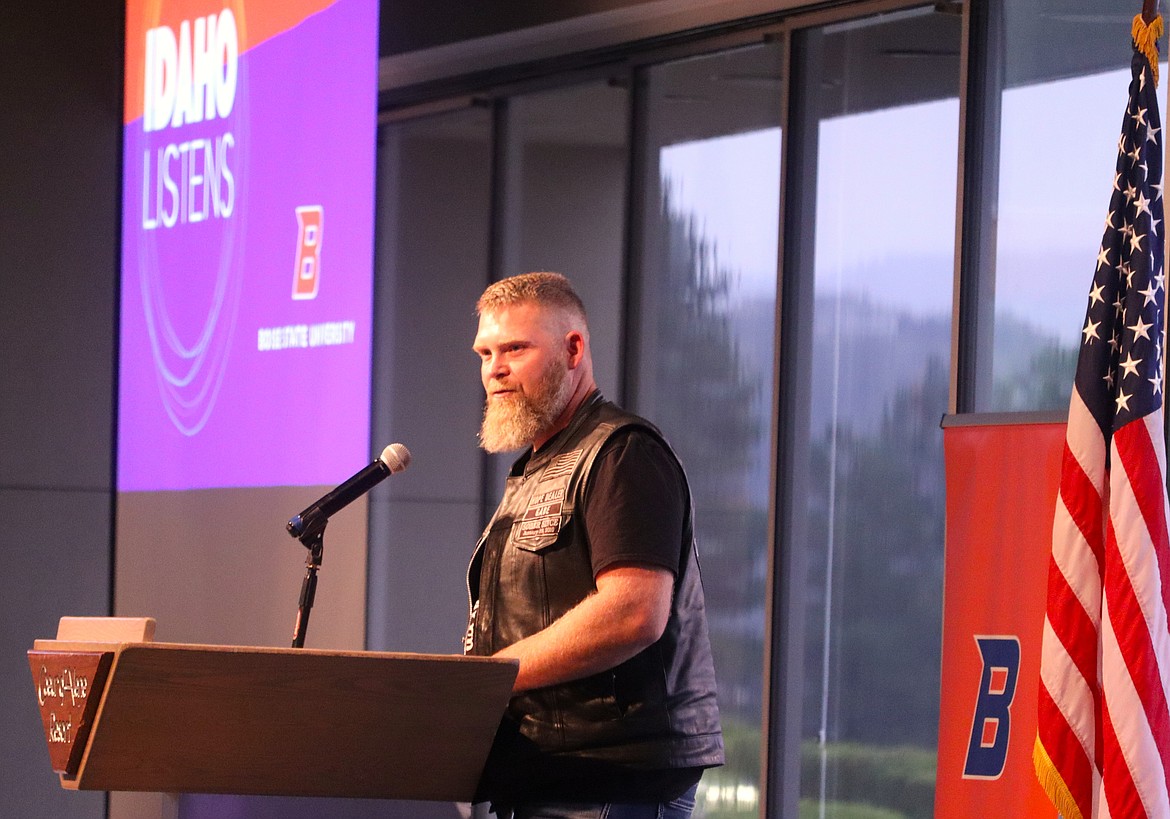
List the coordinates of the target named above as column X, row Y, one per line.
column 859, row 65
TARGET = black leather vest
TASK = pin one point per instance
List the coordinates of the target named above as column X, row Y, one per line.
column 656, row 710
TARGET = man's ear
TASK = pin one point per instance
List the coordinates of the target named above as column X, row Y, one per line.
column 575, row 348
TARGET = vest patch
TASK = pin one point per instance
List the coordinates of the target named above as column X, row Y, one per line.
column 561, row 466
column 542, row 517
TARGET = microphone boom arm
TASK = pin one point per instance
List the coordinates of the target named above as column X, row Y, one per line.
column 309, row 526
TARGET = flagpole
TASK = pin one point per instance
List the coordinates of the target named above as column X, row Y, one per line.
column 1149, row 14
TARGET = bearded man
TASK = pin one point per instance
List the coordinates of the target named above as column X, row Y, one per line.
column 588, row 575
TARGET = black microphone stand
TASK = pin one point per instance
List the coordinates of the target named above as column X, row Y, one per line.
column 314, row 541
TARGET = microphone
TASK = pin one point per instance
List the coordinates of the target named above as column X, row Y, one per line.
column 312, row 520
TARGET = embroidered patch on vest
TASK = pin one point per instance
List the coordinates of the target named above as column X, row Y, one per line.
column 561, row 465
column 542, row 518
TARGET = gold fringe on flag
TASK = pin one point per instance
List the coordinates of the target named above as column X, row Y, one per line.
column 1145, row 37
column 1051, row 780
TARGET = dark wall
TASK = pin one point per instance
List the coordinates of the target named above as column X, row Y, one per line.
column 60, row 138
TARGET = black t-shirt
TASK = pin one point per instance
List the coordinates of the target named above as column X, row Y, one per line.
column 635, row 503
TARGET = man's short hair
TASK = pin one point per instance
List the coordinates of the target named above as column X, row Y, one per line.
column 545, row 289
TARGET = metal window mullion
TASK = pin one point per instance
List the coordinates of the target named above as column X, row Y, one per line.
column 981, row 93
column 635, row 228
column 785, row 666
column 501, row 247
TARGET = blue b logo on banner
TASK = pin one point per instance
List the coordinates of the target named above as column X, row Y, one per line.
column 991, row 725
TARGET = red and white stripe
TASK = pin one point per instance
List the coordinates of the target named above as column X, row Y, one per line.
column 1103, row 738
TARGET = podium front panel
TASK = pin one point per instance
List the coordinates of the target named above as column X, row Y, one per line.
column 215, row 719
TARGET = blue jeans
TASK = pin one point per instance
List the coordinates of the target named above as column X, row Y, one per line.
column 679, row 808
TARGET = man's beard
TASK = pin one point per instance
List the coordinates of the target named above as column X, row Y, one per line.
column 513, row 420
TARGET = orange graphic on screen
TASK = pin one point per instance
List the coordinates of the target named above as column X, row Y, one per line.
column 307, row 271
column 256, row 21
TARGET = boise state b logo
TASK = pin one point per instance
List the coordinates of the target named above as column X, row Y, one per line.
column 991, row 725
column 307, row 270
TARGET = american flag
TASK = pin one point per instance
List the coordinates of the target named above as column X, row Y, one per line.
column 1103, row 737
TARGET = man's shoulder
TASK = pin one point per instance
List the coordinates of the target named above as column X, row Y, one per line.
column 621, row 438
column 622, row 421
column 634, row 447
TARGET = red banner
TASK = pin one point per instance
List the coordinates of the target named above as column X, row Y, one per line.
column 1001, row 493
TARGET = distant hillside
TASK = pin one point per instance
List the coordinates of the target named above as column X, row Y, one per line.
column 877, row 349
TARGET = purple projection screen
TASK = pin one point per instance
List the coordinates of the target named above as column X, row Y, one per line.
column 247, row 243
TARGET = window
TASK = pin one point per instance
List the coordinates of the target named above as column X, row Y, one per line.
column 1059, row 79
column 706, row 278
column 433, row 234
column 565, row 168
column 871, row 339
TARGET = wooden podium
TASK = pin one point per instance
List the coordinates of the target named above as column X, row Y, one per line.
column 135, row 715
